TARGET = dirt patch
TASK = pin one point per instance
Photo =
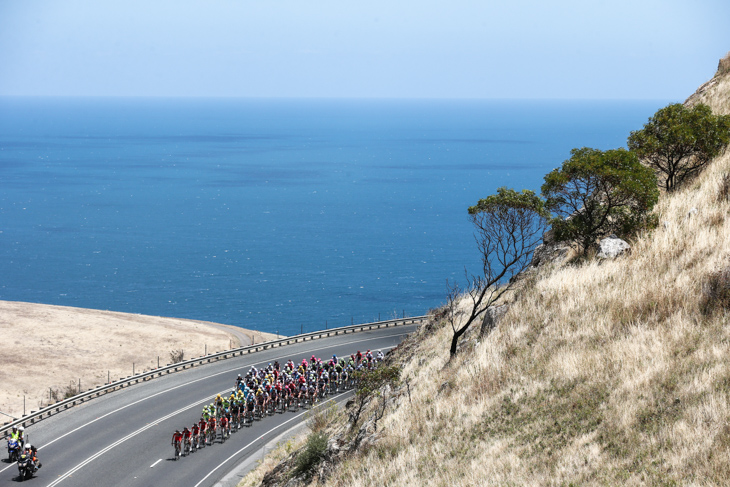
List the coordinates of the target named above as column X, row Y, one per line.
column 48, row 349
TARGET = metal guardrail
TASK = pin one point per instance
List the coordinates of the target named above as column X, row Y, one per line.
column 64, row 404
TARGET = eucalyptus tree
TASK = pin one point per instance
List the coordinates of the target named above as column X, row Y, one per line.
column 597, row 193
column 678, row 142
column 507, row 228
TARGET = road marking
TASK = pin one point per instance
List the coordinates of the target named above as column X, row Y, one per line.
column 158, row 461
column 154, row 423
column 122, row 440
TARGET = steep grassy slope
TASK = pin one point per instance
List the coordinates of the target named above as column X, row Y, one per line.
column 603, row 373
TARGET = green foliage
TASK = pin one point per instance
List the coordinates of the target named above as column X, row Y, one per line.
column 312, row 454
column 369, row 382
column 678, row 142
column 597, row 193
column 507, row 200
column 321, row 416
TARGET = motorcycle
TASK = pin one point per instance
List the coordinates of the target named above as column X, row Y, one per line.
column 26, row 467
column 13, row 450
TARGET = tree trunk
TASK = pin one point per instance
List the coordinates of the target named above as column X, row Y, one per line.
column 455, row 340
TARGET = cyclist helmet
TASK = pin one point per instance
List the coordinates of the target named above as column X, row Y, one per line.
column 28, row 446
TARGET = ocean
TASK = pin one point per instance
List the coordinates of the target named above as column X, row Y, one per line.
column 279, row 215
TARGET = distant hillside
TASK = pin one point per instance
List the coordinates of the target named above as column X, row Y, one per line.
column 716, row 92
column 601, row 373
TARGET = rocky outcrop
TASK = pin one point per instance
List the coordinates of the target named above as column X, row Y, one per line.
column 549, row 251
column 491, row 318
column 611, row 247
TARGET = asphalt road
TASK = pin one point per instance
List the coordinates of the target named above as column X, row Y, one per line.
column 123, row 438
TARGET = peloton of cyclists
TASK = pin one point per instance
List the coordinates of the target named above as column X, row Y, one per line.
column 269, row 389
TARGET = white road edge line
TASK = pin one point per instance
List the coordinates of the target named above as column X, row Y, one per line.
column 122, row 440
column 158, row 461
column 154, row 423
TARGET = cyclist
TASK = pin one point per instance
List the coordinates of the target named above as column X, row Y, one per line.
column 196, row 435
column 225, row 404
column 203, row 428
column 260, row 400
column 211, row 429
column 186, row 434
column 250, row 404
column 225, row 428
column 381, row 357
column 177, row 441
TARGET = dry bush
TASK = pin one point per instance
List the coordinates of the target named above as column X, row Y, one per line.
column 322, row 416
column 177, row 356
column 71, row 390
column 716, row 292
column 724, row 193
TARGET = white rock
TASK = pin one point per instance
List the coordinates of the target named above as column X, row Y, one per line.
column 612, row 247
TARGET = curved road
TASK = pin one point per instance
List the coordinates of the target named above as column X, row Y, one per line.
column 123, row 438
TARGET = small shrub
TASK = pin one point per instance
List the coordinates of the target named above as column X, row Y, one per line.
column 321, row 416
column 71, row 390
column 724, row 193
column 312, row 454
column 716, row 292
column 177, row 356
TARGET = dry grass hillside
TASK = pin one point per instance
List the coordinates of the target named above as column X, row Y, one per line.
column 716, row 92
column 600, row 373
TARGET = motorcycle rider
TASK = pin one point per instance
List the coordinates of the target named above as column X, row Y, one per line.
column 32, row 452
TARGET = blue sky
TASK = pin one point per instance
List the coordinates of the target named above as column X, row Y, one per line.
column 650, row 49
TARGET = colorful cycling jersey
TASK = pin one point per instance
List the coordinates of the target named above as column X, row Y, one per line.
column 176, row 437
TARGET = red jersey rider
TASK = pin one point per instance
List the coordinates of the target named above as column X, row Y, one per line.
column 176, row 438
